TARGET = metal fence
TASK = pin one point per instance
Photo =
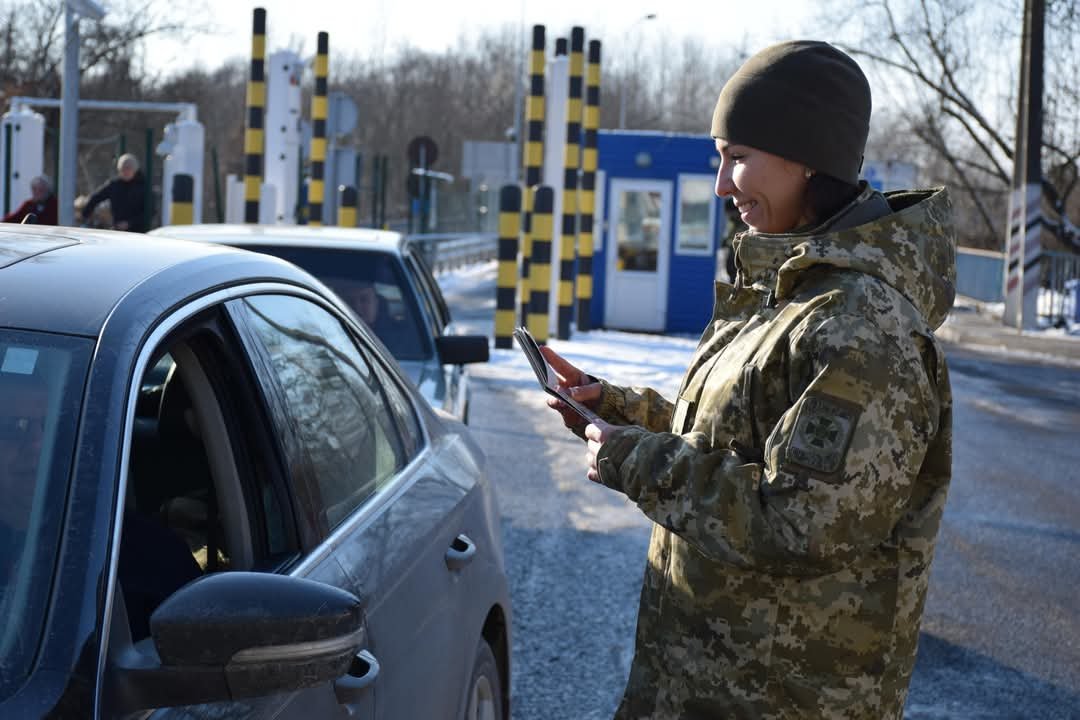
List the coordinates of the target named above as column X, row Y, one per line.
column 980, row 275
column 447, row 251
column 1060, row 288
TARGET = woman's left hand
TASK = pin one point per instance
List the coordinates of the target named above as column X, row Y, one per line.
column 596, row 434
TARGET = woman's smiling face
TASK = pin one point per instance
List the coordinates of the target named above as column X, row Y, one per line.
column 768, row 190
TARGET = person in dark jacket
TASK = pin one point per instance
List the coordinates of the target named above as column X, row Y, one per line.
column 41, row 204
column 797, row 481
column 126, row 194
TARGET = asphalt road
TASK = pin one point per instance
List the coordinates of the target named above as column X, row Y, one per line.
column 1001, row 630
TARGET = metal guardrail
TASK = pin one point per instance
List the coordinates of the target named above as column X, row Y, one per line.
column 448, row 251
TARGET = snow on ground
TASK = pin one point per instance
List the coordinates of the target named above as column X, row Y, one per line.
column 626, row 358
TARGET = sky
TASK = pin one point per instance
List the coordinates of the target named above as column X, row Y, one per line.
column 379, row 26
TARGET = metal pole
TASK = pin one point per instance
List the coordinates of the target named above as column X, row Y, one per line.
column 254, row 134
column 148, row 196
column 217, row 185
column 622, row 100
column 384, row 177
column 7, row 169
column 1023, row 246
column 69, row 119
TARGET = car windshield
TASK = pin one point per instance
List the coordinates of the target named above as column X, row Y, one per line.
column 374, row 286
column 41, row 388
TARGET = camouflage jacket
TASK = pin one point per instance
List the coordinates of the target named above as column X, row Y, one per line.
column 798, row 482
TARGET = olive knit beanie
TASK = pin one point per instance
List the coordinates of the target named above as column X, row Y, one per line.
column 803, row 100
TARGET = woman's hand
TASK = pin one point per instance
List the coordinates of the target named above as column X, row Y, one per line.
column 596, row 434
column 575, row 382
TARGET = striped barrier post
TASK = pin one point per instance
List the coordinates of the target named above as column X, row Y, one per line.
column 347, row 202
column 506, row 279
column 256, row 109
column 319, row 110
column 571, row 162
column 533, row 156
column 182, row 209
column 540, row 268
column 587, row 194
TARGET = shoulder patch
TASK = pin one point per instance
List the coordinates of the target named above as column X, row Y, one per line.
column 823, row 430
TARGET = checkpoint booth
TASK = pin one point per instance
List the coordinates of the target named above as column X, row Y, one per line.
column 659, row 226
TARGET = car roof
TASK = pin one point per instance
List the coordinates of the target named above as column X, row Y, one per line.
column 239, row 235
column 69, row 280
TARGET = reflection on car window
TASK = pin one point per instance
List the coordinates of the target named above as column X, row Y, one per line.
column 373, row 285
column 40, row 392
column 334, row 399
column 403, row 411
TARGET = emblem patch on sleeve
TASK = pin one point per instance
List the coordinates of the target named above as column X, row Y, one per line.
column 823, row 430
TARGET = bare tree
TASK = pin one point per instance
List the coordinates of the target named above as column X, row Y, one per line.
column 952, row 65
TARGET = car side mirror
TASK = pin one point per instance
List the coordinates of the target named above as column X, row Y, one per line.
column 239, row 635
column 462, row 349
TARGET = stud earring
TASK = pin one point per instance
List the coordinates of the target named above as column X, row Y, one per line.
column 809, row 173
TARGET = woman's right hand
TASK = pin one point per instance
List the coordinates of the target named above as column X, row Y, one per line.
column 575, row 382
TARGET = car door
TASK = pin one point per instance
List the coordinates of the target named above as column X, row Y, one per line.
column 379, row 504
column 208, row 469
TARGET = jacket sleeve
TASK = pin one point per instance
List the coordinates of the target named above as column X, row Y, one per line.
column 100, row 195
column 838, row 467
column 634, row 406
column 17, row 215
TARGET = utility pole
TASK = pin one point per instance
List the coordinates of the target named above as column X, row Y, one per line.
column 1023, row 246
column 69, row 108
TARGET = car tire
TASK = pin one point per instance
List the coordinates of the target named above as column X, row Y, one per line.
column 485, row 700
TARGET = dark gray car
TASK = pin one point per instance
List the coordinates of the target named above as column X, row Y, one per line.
column 221, row 499
column 384, row 279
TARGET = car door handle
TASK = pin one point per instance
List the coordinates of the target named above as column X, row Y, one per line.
column 351, row 687
column 461, row 552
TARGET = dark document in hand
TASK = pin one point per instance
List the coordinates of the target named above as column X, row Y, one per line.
column 546, row 376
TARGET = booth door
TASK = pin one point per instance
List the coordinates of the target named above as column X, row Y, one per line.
column 639, row 226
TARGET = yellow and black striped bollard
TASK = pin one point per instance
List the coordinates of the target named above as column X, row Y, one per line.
column 319, row 110
column 506, row 280
column 348, row 199
column 533, row 156
column 571, row 161
column 182, row 210
column 590, row 126
column 540, row 268
column 256, row 111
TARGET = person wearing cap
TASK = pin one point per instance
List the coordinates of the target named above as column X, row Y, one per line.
column 126, row 194
column 797, row 481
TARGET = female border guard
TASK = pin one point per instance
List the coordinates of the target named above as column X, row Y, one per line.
column 797, row 482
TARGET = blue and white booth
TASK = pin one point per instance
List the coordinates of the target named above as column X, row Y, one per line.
column 657, row 231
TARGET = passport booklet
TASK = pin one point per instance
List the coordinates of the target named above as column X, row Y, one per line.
column 549, row 382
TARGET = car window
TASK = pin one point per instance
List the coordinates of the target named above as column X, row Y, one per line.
column 41, row 387
column 205, row 491
column 403, row 410
column 334, row 399
column 433, row 304
column 374, row 286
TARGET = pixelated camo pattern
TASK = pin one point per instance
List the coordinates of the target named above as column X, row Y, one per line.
column 798, row 480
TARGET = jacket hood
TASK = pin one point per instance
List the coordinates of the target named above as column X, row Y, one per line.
column 903, row 238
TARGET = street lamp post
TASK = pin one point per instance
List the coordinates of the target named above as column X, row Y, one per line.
column 69, row 109
column 622, row 81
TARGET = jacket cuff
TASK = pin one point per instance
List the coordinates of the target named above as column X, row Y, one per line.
column 610, row 402
column 612, row 454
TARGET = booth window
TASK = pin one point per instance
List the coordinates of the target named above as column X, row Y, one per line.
column 697, row 215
